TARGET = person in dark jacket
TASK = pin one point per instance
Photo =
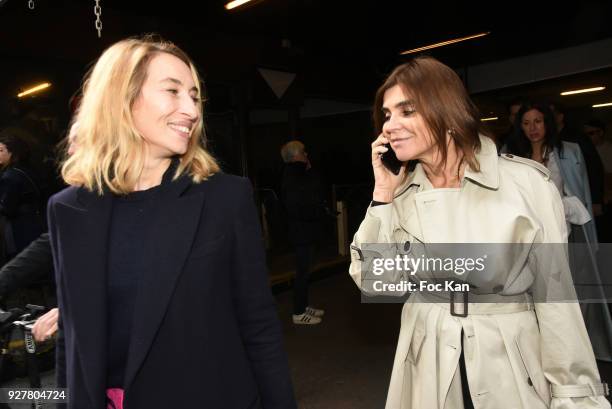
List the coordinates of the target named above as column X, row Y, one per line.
column 35, row 262
column 512, row 108
column 302, row 197
column 595, row 130
column 20, row 205
column 162, row 284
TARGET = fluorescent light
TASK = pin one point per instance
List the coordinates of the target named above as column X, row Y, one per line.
column 580, row 91
column 606, row 104
column 32, row 90
column 443, row 43
column 235, row 3
column 493, row 118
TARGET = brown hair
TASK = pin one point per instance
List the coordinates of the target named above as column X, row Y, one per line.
column 441, row 99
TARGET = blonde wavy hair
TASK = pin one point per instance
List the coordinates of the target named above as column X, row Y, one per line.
column 111, row 151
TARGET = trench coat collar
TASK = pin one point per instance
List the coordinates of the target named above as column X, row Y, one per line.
column 174, row 229
column 488, row 159
column 488, row 176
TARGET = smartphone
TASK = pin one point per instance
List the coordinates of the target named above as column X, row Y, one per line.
column 391, row 161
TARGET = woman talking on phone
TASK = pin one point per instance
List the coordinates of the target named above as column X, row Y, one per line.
column 162, row 285
column 500, row 345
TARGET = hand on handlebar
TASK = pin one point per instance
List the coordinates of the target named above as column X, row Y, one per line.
column 46, row 326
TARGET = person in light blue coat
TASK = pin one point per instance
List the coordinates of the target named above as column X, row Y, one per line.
column 576, row 183
column 535, row 137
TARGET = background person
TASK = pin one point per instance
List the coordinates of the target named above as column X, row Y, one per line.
column 34, row 263
column 536, row 138
column 302, row 196
column 20, row 199
column 595, row 130
column 592, row 161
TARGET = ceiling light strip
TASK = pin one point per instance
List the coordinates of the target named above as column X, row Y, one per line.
column 32, row 90
column 235, row 3
column 581, row 91
column 443, row 43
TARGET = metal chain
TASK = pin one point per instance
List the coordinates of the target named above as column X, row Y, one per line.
column 31, row 4
column 98, row 13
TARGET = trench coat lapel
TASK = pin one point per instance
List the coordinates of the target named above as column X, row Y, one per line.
column 409, row 218
column 411, row 223
column 84, row 241
column 174, row 228
column 433, row 211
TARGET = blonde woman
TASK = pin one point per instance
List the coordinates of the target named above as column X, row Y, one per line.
column 515, row 339
column 162, row 285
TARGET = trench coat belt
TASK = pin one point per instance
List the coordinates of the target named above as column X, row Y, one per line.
column 579, row 391
column 477, row 304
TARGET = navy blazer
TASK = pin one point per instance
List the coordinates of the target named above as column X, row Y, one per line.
column 206, row 332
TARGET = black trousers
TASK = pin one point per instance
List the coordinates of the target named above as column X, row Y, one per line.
column 465, row 387
column 303, row 261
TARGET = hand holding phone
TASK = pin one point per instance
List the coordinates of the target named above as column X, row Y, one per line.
column 388, row 170
column 390, row 160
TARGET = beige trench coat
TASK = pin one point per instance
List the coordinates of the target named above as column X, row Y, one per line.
column 533, row 357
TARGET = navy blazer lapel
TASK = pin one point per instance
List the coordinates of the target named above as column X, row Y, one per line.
column 83, row 245
column 171, row 237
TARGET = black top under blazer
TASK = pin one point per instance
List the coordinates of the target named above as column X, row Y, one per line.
column 206, row 332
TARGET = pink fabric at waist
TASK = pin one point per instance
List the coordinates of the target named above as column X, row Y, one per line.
column 115, row 398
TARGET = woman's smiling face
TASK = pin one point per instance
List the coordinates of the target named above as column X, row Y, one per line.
column 404, row 127
column 168, row 107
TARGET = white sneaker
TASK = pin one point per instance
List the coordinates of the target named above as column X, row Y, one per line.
column 306, row 319
column 315, row 312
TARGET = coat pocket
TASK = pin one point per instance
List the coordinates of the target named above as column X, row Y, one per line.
column 528, row 345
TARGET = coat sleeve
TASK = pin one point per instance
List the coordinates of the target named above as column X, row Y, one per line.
column 60, row 350
column 256, row 309
column 567, row 357
column 60, row 355
column 33, row 263
column 372, row 246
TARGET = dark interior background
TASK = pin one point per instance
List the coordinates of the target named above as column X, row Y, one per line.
column 339, row 51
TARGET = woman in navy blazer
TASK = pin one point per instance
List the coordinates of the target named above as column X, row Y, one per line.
column 162, row 284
